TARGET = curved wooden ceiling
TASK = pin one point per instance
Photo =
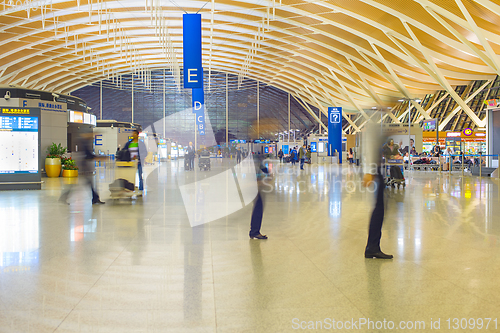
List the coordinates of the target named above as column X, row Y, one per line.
column 354, row 54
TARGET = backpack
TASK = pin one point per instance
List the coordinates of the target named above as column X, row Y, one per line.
column 124, row 154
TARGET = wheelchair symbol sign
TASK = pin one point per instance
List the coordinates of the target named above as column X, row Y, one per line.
column 335, row 117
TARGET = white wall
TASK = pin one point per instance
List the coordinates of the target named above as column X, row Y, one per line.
column 107, row 139
column 53, row 130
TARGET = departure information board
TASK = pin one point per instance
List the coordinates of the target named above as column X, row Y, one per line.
column 17, row 123
column 18, row 144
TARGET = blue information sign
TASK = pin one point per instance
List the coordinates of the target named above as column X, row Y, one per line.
column 313, row 147
column 199, row 109
column 17, row 123
column 191, row 42
column 335, row 131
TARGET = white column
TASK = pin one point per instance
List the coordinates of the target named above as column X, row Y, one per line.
column 227, row 112
column 100, row 98
column 288, row 117
column 319, row 117
column 258, row 111
column 164, row 105
column 132, row 97
column 409, row 136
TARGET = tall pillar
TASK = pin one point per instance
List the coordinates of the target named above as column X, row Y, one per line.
column 164, row 106
column 288, row 117
column 227, row 112
column 132, row 97
column 258, row 110
column 100, row 100
column 335, row 132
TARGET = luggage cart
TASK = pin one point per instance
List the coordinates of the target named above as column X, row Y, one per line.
column 123, row 187
column 204, row 161
column 392, row 177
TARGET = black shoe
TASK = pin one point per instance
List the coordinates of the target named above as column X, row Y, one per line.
column 378, row 255
column 98, row 202
column 259, row 236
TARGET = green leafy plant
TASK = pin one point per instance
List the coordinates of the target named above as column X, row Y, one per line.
column 55, row 151
column 68, row 163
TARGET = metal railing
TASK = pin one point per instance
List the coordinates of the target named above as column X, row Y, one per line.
column 466, row 160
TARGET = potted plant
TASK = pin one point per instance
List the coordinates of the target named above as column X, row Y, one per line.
column 69, row 167
column 53, row 160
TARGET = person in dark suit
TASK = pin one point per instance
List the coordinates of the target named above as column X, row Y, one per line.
column 238, row 155
column 190, row 156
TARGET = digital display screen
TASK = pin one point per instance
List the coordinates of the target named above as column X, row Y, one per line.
column 16, row 123
column 78, row 117
column 429, row 125
column 18, row 144
column 313, row 147
column 321, row 147
column 86, row 118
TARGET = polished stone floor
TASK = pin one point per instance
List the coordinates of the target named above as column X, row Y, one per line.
column 140, row 267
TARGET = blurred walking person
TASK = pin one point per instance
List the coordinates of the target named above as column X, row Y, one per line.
column 372, row 144
column 84, row 159
column 258, row 207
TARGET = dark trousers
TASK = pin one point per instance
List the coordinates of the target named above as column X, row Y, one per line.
column 302, row 160
column 95, row 196
column 238, row 158
column 281, row 159
column 139, row 170
column 257, row 213
column 191, row 163
column 377, row 218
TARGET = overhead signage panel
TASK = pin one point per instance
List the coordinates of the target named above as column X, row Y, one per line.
column 429, row 125
column 191, row 42
column 334, row 131
column 198, row 98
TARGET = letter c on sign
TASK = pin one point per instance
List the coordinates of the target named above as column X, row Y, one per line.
column 199, row 118
column 25, row 104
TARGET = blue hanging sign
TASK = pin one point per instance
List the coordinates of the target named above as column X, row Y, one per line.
column 335, row 131
column 191, row 43
column 198, row 97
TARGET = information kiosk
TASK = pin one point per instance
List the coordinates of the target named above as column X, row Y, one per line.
column 19, row 148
